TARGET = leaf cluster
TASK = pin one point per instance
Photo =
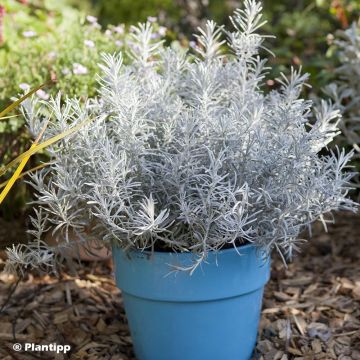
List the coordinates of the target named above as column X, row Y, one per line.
column 185, row 152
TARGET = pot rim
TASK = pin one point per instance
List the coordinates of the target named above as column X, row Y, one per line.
column 150, row 252
column 223, row 275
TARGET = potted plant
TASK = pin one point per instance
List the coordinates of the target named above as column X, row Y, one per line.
column 193, row 175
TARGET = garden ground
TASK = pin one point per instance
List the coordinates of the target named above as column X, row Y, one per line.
column 311, row 309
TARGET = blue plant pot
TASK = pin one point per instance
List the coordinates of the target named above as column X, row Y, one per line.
column 212, row 314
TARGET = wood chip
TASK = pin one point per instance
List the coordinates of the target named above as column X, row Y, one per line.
column 300, row 324
column 298, row 281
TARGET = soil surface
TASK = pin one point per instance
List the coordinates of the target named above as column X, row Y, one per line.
column 311, row 308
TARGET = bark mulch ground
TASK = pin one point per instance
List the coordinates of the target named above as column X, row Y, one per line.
column 311, row 309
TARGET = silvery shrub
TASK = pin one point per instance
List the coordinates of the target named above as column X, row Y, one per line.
column 345, row 91
column 183, row 151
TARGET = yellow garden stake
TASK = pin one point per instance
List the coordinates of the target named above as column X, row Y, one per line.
column 35, row 147
column 42, row 146
column 38, row 167
column 8, row 117
column 15, row 176
column 17, row 173
column 20, row 168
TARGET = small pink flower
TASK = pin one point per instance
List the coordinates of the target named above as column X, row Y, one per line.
column 152, row 19
column 79, row 69
column 2, row 15
column 24, row 86
column 89, row 43
column 52, row 55
column 192, row 44
column 91, row 19
column 119, row 43
column 42, row 94
column 65, row 71
column 162, row 30
column 29, row 34
column 120, row 29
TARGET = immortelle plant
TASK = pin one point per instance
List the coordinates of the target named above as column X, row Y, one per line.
column 184, row 152
column 346, row 90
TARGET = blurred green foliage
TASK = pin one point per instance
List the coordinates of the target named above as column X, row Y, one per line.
column 42, row 40
column 131, row 12
column 303, row 30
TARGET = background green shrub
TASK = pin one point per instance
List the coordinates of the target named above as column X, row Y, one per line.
column 45, row 40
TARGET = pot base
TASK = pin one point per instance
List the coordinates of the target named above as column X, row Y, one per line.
column 219, row 330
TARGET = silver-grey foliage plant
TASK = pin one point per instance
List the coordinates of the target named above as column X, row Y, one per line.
column 346, row 90
column 183, row 150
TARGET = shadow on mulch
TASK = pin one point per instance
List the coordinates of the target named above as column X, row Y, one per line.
column 311, row 309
